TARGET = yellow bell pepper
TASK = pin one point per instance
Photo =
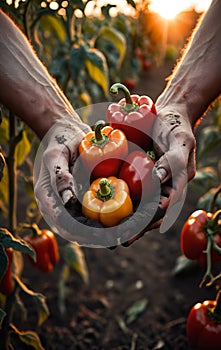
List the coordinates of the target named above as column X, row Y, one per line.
column 107, row 201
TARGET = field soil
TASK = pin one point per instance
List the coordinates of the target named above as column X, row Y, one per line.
column 97, row 314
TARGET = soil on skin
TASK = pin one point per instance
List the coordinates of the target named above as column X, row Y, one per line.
column 96, row 313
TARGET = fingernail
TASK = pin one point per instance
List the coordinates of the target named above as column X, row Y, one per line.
column 161, row 173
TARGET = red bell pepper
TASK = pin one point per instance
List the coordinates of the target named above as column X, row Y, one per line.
column 136, row 171
column 45, row 246
column 204, row 325
column 103, row 150
column 6, row 283
column 199, row 226
column 135, row 115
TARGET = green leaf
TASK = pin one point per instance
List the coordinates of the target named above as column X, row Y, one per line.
column 117, row 39
column 205, row 201
column 135, row 310
column 4, row 195
column 2, row 165
column 29, row 338
column 7, row 240
column 132, row 3
column 97, row 68
column 204, row 179
column 3, row 261
column 18, row 262
column 184, row 265
column 22, row 149
column 4, row 130
column 106, row 10
column 210, row 138
column 53, row 24
column 20, row 307
column 2, row 316
column 79, row 4
column 77, row 60
column 63, row 289
column 74, row 258
column 40, row 300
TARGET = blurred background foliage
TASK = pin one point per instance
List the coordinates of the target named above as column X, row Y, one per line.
column 87, row 45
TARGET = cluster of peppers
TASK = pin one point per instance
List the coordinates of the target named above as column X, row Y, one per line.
column 201, row 241
column 116, row 157
column 46, row 250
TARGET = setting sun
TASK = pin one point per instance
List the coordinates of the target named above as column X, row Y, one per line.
column 167, row 9
column 171, row 8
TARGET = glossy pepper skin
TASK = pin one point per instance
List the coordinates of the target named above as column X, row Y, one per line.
column 107, row 201
column 194, row 239
column 137, row 171
column 6, row 283
column 46, row 248
column 102, row 150
column 204, row 325
column 134, row 115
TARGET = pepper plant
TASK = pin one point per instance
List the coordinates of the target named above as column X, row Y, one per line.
column 21, row 238
column 201, row 234
column 84, row 53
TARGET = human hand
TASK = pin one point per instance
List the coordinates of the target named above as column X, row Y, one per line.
column 58, row 178
column 56, row 187
column 55, row 168
column 174, row 145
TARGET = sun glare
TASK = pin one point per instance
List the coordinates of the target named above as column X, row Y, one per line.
column 168, row 9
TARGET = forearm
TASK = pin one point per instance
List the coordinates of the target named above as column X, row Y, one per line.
column 26, row 88
column 196, row 81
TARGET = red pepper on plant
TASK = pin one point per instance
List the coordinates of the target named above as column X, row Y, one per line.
column 6, row 283
column 46, row 248
column 130, row 83
column 201, row 227
column 103, row 150
column 137, row 171
column 204, row 325
column 134, row 114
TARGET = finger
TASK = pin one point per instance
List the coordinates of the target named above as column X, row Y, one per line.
column 46, row 198
column 177, row 158
column 68, row 223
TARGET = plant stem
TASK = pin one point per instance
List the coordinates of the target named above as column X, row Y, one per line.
column 215, row 196
column 12, row 218
column 12, row 174
column 4, row 331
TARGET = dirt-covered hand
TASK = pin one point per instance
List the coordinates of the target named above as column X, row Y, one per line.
column 174, row 144
column 54, row 168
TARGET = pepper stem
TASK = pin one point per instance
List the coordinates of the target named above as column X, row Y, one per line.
column 218, row 303
column 97, row 129
column 99, row 139
column 105, row 190
column 215, row 312
column 129, row 106
column 36, row 231
column 215, row 196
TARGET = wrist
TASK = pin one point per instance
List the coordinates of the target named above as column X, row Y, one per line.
column 48, row 118
column 178, row 101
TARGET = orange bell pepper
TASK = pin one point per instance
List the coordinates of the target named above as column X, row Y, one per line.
column 107, row 201
column 103, row 150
